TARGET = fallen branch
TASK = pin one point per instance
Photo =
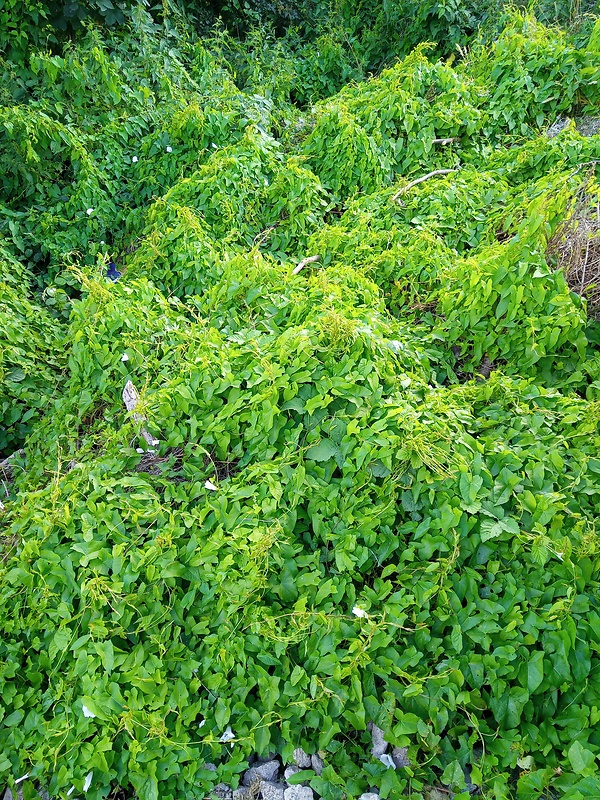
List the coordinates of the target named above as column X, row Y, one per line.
column 410, row 185
column 304, row 262
column 447, row 140
column 131, row 399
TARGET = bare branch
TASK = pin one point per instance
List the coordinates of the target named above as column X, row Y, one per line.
column 304, row 262
column 410, row 185
column 447, row 140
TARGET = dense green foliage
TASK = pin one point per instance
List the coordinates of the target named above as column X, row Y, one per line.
column 407, row 427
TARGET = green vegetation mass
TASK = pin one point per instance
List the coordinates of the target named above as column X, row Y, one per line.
column 365, row 490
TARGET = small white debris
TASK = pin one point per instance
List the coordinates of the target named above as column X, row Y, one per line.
column 358, row 612
column 88, row 781
column 227, row 735
column 124, row 357
column 155, row 442
column 203, row 723
column 130, row 396
column 22, row 778
column 214, row 145
column 139, row 450
column 87, row 712
column 70, row 792
column 169, row 149
column 102, row 242
column 89, row 212
column 210, row 485
column 387, row 760
column 134, row 160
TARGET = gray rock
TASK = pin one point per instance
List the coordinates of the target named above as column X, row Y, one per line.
column 317, row 763
column 212, row 767
column 369, row 796
column 243, row 793
column 379, row 743
column 301, row 759
column 268, row 757
column 271, row 791
column 291, row 770
column 298, row 793
column 263, row 772
column 222, row 792
column 557, row 127
column 400, row 757
column 588, row 126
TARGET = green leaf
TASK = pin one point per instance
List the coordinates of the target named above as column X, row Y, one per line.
column 323, row 451
column 583, row 761
column 535, row 671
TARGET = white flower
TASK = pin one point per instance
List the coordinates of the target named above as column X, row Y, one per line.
column 358, row 612
column 169, row 149
column 387, row 760
column 22, row 778
column 124, row 357
column 89, row 212
column 102, row 242
column 203, row 723
column 87, row 712
column 88, row 781
column 134, row 160
column 214, row 145
column 210, row 485
column 139, row 449
column 228, row 735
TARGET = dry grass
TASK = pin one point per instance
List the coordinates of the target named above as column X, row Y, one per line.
column 576, row 249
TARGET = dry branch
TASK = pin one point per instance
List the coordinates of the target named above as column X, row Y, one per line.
column 304, row 262
column 410, row 185
column 446, row 140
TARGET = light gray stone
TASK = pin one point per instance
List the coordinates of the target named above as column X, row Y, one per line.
column 222, row 792
column 263, row 772
column 209, row 765
column 369, row 796
column 400, row 756
column 291, row 770
column 317, row 763
column 298, row 793
column 301, row 758
column 271, row 791
column 379, row 743
column 243, row 793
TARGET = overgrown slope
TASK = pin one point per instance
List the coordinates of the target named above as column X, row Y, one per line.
column 362, row 491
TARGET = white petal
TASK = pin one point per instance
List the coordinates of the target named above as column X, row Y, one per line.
column 358, row 612
column 22, row 778
column 88, row 781
column 155, row 442
column 387, row 760
column 214, row 145
column 89, row 211
column 124, row 357
column 87, row 712
column 139, row 450
column 228, row 735
column 169, row 149
column 134, row 160
column 210, row 485
column 102, row 242
column 201, row 724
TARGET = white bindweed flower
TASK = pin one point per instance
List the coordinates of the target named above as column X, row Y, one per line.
column 22, row 778
column 124, row 357
column 102, row 242
column 227, row 735
column 87, row 712
column 387, row 760
column 358, row 612
column 89, row 212
column 88, row 781
column 134, row 160
column 169, row 149
column 210, row 485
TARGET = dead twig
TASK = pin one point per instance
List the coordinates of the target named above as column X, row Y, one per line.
column 131, row 399
column 410, row 185
column 304, row 262
column 447, row 140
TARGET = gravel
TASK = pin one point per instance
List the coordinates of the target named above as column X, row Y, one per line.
column 317, row 763
column 263, row 772
column 298, row 793
column 400, row 757
column 301, row 758
column 272, row 791
column 369, row 796
column 222, row 791
column 291, row 770
column 379, row 743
